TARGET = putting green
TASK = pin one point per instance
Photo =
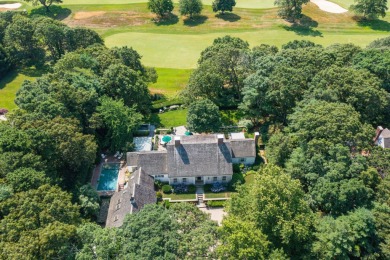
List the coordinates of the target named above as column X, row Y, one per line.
column 182, row 50
column 348, row 3
column 239, row 3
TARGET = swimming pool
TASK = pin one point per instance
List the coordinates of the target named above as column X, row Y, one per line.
column 108, row 176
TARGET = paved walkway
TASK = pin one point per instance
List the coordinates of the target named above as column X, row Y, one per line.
column 216, row 214
column 180, row 130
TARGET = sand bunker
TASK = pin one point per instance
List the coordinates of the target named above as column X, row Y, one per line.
column 10, row 6
column 86, row 15
column 329, row 6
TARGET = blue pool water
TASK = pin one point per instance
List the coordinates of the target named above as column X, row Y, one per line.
column 108, row 176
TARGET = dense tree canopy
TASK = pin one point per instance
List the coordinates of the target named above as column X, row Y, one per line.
column 160, row 7
column 203, row 117
column 290, row 9
column 45, row 3
column 190, row 7
column 153, row 233
column 221, row 71
column 37, row 224
column 223, row 5
column 370, row 8
column 275, row 205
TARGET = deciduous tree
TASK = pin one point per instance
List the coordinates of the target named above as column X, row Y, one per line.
column 190, row 7
column 203, row 116
column 370, row 8
column 160, row 7
column 290, row 9
column 45, row 3
column 38, row 224
column 276, row 205
column 348, row 236
column 223, row 5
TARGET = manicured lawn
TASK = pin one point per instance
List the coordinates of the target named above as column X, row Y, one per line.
column 178, row 45
column 9, row 85
column 347, row 3
column 183, row 51
column 250, row 178
column 240, row 3
column 180, row 196
column 219, row 195
column 170, row 82
column 172, row 118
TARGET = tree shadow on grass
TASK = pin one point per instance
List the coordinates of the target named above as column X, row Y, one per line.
column 167, row 20
column 304, row 27
column 377, row 25
column 56, row 12
column 195, row 21
column 229, row 17
column 155, row 119
column 8, row 78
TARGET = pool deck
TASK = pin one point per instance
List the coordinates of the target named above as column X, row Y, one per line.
column 121, row 175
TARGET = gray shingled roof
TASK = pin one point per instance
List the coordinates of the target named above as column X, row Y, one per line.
column 152, row 162
column 385, row 133
column 243, row 148
column 141, row 188
column 199, row 156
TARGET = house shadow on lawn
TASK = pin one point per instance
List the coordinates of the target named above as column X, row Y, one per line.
column 195, row 21
column 377, row 25
column 56, row 12
column 304, row 27
column 228, row 17
column 167, row 20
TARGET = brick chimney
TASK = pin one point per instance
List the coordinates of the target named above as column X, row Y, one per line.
column 257, row 135
column 177, row 141
column 379, row 130
column 220, row 138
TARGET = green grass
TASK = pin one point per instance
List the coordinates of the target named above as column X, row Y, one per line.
column 9, row 85
column 347, row 3
column 171, row 118
column 250, row 178
column 240, row 3
column 219, row 195
column 183, row 51
column 170, row 82
column 179, row 44
column 179, row 196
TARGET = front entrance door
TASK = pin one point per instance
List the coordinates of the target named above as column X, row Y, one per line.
column 198, row 180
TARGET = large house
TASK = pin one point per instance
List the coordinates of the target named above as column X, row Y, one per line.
column 138, row 192
column 199, row 159
column 382, row 137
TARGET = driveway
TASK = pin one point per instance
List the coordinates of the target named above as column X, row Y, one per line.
column 216, row 214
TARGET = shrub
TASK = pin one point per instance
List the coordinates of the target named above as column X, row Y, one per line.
column 215, row 203
column 237, row 179
column 236, row 168
column 191, row 188
column 159, row 196
column 159, row 184
column 166, row 204
column 167, row 189
column 180, row 188
column 217, row 187
column 207, row 187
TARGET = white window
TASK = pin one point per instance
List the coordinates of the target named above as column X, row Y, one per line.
column 184, row 180
column 174, row 180
column 223, row 178
column 215, row 178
